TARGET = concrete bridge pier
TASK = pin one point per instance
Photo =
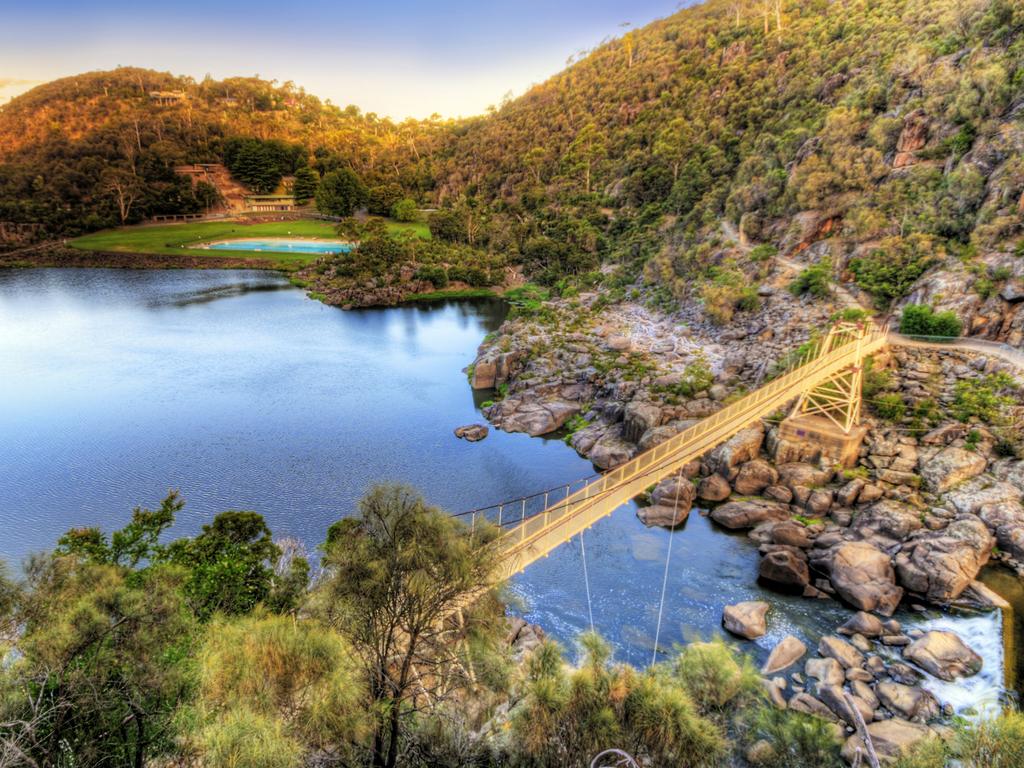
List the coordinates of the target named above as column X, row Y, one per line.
column 812, row 437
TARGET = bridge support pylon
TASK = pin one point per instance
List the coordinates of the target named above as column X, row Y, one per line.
column 825, row 421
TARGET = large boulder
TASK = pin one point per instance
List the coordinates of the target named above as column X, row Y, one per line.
column 808, row 705
column 671, row 501
column 942, row 564
column 888, row 519
column 827, row 671
column 944, row 655
column 799, row 474
column 664, row 516
column 1010, row 471
column 492, row 368
column 891, row 739
column 1006, row 521
column 674, row 490
column 638, row 418
column 657, row 435
column 611, row 449
column 747, row 619
column 754, row 477
column 747, row 514
column 714, row 488
column 789, row 533
column 819, row 502
column 784, row 655
column 971, row 496
column 847, row 495
column 538, row 418
column 833, row 647
column 950, row 467
column 786, row 566
column 741, row 447
column 912, row 703
column 863, row 576
column 862, row 623
column 835, row 699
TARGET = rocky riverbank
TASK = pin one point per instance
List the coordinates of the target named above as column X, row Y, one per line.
column 929, row 502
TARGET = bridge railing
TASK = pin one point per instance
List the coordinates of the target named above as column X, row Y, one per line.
column 632, row 477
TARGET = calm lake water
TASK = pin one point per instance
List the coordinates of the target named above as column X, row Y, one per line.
column 239, row 391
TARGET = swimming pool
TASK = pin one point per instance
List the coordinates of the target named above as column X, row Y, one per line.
column 282, row 245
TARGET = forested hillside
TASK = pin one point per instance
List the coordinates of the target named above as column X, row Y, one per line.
column 886, row 137
column 71, row 148
column 893, row 127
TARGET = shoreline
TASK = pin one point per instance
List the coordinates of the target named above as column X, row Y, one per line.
column 61, row 256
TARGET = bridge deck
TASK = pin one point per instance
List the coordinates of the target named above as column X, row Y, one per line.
column 536, row 536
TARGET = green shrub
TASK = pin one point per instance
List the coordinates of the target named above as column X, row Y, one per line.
column 1002, row 274
column 568, row 715
column 815, row 280
column 715, row 676
column 404, row 210
column 763, row 252
column 243, row 738
column 796, row 740
column 435, row 275
column 887, row 273
column 874, row 382
column 984, row 287
column 984, row 399
column 574, row 425
column 922, row 320
column 889, row 407
column 989, row 743
column 851, row 315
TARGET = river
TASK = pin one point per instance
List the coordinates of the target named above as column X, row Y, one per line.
column 241, row 392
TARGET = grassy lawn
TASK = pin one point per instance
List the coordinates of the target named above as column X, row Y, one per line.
column 418, row 228
column 176, row 239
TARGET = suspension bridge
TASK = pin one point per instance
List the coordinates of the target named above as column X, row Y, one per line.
column 823, row 382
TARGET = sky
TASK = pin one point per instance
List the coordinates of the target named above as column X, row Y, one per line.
column 399, row 58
